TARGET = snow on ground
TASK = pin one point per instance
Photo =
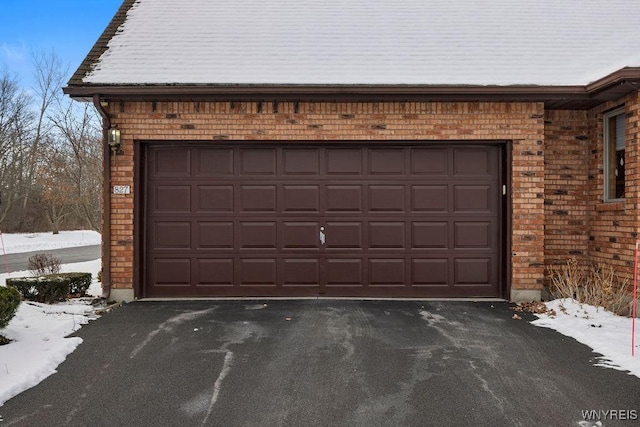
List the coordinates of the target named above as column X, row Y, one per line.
column 39, row 345
column 604, row 332
column 39, row 331
column 15, row 243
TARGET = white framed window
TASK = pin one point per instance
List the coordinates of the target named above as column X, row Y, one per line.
column 614, row 147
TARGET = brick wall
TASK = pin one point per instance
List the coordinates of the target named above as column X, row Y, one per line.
column 613, row 226
column 565, row 189
column 522, row 123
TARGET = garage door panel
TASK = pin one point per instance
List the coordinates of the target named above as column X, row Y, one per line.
column 172, row 235
column 472, row 235
column 344, row 198
column 387, row 198
column 433, row 161
column 258, row 161
column 215, row 162
column 300, row 272
column 430, row 272
column 172, row 271
column 344, row 272
column 215, row 198
column 301, row 198
column 258, row 198
column 429, row 198
column 473, row 198
column 387, row 235
column 344, row 161
column 473, row 271
column 301, row 161
column 430, row 235
column 300, row 235
column 387, row 161
column 387, row 272
column 344, row 235
column 172, row 199
column 258, row 235
column 215, row 272
column 215, row 235
column 476, row 161
column 258, row 272
column 171, row 163
column 246, row 220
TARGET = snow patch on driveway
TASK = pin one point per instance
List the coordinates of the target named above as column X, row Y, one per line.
column 604, row 332
column 39, row 345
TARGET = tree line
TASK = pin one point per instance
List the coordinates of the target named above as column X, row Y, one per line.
column 50, row 153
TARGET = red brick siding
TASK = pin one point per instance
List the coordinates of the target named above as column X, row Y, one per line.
column 523, row 123
column 565, row 189
column 613, row 226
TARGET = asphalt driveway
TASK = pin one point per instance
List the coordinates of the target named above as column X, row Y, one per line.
column 322, row 363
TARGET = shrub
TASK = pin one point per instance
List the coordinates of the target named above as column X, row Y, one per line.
column 41, row 264
column 78, row 282
column 26, row 286
column 51, row 287
column 9, row 302
column 596, row 285
column 40, row 289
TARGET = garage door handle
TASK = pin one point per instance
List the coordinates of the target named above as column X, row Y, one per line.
column 323, row 238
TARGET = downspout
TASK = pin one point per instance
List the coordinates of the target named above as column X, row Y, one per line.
column 106, row 198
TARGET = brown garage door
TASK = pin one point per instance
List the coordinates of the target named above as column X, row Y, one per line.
column 341, row 220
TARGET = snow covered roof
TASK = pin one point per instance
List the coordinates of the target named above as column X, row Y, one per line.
column 365, row 42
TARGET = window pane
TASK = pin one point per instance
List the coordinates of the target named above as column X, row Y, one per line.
column 619, row 174
column 619, row 131
column 615, row 146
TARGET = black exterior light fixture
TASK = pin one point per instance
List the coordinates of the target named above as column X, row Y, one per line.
column 114, row 140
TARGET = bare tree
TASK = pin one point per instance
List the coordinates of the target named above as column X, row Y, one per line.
column 78, row 130
column 50, row 154
column 15, row 119
column 49, row 77
column 53, row 187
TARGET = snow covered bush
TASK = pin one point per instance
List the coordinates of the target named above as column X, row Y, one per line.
column 51, row 288
column 26, row 286
column 78, row 282
column 598, row 285
column 9, row 302
column 43, row 289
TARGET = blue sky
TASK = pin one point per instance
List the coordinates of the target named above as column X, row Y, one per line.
column 68, row 27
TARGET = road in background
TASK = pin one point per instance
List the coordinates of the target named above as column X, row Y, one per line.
column 20, row 261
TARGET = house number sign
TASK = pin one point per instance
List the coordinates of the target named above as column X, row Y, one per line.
column 121, row 189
